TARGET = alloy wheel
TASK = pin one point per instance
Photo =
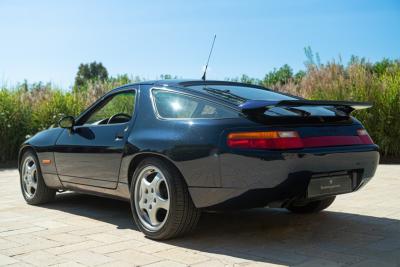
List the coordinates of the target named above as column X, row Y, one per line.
column 152, row 198
column 29, row 177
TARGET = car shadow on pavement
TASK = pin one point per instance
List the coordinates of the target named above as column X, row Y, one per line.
column 265, row 235
column 107, row 210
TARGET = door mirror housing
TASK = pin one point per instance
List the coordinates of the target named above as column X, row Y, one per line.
column 67, row 122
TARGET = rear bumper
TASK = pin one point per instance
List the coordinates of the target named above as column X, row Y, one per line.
column 255, row 179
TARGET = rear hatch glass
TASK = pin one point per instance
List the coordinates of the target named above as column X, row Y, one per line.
column 238, row 95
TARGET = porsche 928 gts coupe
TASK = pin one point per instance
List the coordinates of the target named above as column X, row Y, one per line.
column 173, row 148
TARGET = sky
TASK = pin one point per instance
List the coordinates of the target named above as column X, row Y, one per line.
column 46, row 40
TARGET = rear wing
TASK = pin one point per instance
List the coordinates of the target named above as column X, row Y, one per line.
column 260, row 106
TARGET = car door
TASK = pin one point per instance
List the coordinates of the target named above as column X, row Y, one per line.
column 91, row 153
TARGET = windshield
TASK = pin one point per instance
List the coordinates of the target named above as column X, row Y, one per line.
column 240, row 94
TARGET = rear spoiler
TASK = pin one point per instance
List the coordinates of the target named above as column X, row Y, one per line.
column 260, row 106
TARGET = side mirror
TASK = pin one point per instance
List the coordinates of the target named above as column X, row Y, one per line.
column 67, row 122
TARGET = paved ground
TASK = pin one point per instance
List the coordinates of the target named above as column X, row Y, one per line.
column 360, row 229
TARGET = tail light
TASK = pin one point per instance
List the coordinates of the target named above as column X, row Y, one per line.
column 265, row 140
column 364, row 136
column 280, row 140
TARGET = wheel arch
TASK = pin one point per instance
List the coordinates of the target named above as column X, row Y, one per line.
column 21, row 153
column 135, row 161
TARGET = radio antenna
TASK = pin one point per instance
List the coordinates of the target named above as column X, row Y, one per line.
column 209, row 55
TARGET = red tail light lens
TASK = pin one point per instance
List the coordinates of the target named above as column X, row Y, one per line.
column 265, row 140
column 364, row 136
column 280, row 140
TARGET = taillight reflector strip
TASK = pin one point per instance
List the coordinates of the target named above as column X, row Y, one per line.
column 324, row 141
column 265, row 140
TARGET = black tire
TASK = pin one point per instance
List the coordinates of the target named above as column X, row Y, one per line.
column 312, row 206
column 182, row 216
column 42, row 194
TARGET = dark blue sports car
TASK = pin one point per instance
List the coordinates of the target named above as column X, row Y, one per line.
column 173, row 148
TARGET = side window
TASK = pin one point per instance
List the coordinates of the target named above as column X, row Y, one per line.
column 117, row 109
column 178, row 106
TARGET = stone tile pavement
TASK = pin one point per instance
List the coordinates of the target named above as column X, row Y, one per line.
column 360, row 229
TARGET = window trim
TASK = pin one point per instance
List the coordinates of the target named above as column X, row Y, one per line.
column 92, row 108
column 159, row 117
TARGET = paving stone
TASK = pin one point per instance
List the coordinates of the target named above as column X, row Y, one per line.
column 6, row 260
column 153, row 248
column 106, row 238
column 74, row 247
column 88, row 231
column 50, row 224
column 66, row 238
column 230, row 257
column 87, row 258
column 40, row 258
column 181, row 255
column 279, row 256
column 6, row 244
column 211, row 263
column 359, row 229
column 318, row 263
column 131, row 244
column 35, row 245
column 26, row 230
column 134, row 257
column 375, row 263
column 386, row 244
column 118, row 264
column 167, row 264
column 68, row 264
column 262, row 264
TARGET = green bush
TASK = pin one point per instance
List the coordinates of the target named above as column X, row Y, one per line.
column 26, row 109
column 23, row 113
column 15, row 123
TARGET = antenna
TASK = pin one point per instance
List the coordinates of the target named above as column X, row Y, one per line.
column 209, row 55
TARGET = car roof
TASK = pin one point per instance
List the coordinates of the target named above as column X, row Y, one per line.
column 188, row 82
column 184, row 85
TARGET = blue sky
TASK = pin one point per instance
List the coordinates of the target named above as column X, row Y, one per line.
column 47, row 40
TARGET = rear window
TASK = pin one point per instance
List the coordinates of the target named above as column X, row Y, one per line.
column 240, row 94
column 180, row 106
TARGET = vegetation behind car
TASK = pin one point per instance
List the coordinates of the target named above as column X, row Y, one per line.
column 28, row 108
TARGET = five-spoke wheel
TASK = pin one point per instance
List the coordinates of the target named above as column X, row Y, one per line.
column 34, row 189
column 29, row 177
column 161, row 205
column 152, row 198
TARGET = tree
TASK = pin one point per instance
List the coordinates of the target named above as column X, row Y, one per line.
column 249, row 80
column 167, row 77
column 278, row 77
column 299, row 76
column 383, row 66
column 90, row 72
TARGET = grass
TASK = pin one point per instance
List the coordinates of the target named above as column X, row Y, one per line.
column 25, row 110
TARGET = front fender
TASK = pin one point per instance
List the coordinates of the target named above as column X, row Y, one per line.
column 42, row 143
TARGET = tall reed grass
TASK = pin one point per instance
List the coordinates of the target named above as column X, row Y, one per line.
column 25, row 110
column 359, row 82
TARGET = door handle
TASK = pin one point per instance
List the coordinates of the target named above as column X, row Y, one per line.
column 119, row 136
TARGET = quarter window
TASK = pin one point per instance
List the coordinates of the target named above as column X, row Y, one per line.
column 179, row 106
